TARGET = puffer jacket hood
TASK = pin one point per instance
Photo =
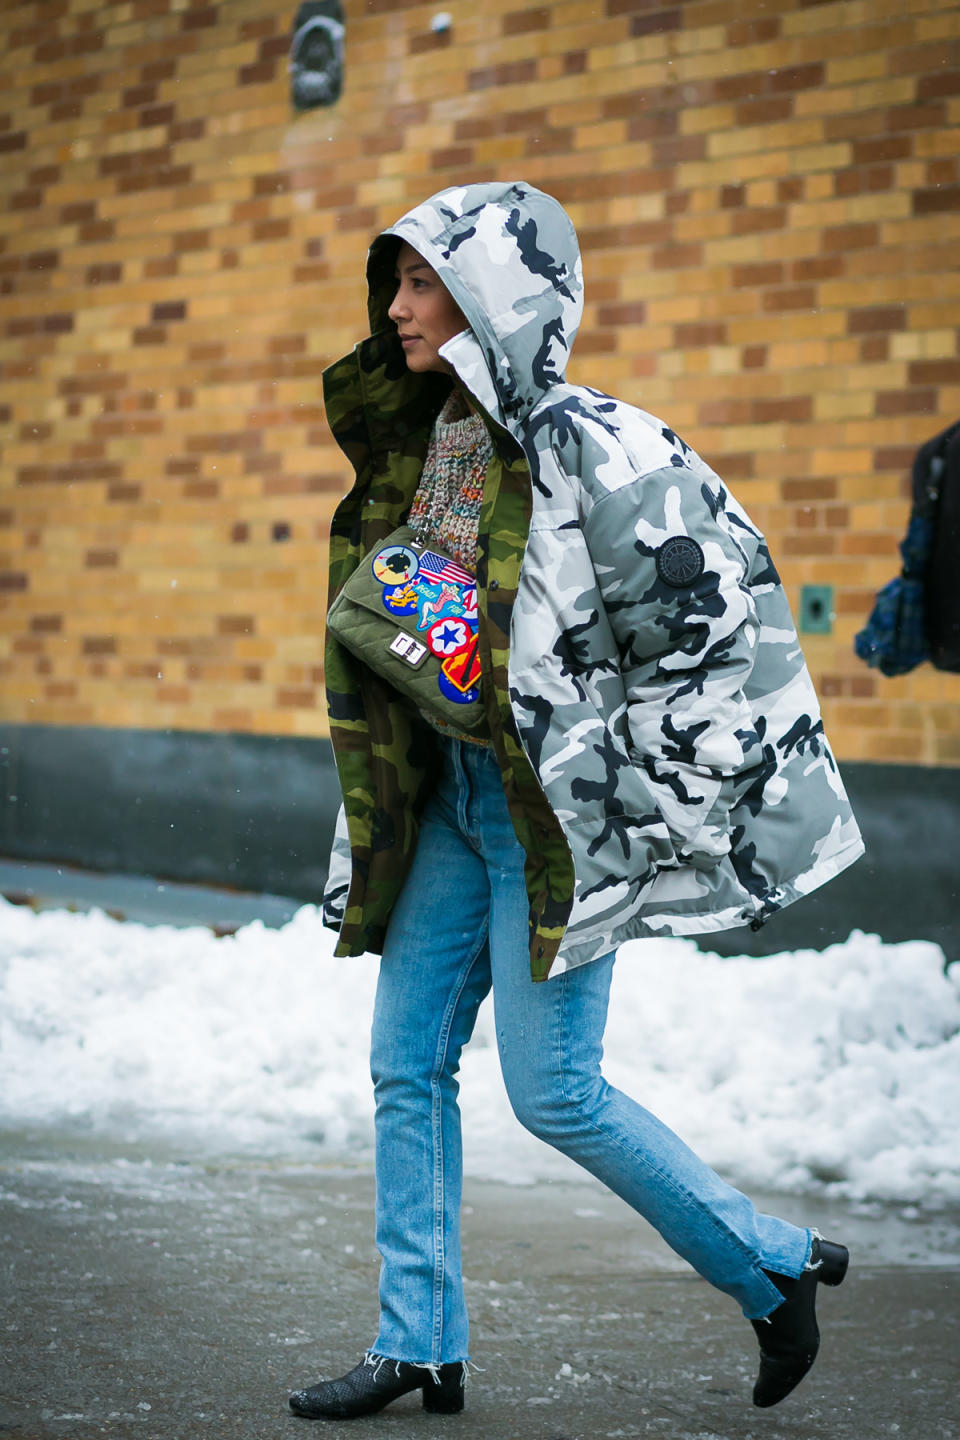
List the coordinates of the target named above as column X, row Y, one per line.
column 509, row 256
column 660, row 741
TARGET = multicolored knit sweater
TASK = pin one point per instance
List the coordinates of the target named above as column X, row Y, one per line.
column 446, row 508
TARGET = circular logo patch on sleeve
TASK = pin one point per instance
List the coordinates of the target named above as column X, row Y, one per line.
column 679, row 562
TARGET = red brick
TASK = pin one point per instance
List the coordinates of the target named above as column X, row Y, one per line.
column 596, row 342
column 745, row 277
column 429, row 40
column 78, row 212
column 876, row 317
column 156, row 115
column 270, row 230
column 676, row 257
column 815, row 489
column 934, row 372
column 199, row 19
column 849, row 237
column 884, row 147
column 274, row 47
column 625, row 313
column 916, row 117
column 752, row 32
column 157, row 70
column 753, row 222
column 733, row 197
column 893, row 457
column 520, row 22
column 943, row 82
column 679, row 150
column 874, row 348
column 138, row 95
column 661, row 23
column 188, row 129
column 796, row 409
column 261, row 72
column 796, row 297
column 296, row 698
column 696, row 334
column 738, row 466
column 936, row 201
column 766, row 110
column 906, row 402
column 724, row 412
column 512, row 72
column 165, row 310
column 452, row 157
column 818, row 267
column 798, row 77
column 653, row 126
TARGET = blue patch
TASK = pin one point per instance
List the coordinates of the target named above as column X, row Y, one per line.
column 453, row 692
column 399, row 599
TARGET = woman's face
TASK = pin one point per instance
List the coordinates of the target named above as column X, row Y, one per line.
column 424, row 312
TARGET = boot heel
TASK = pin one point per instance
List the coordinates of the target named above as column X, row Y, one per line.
column 445, row 1398
column 834, row 1261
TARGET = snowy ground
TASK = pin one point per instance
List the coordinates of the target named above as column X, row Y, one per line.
column 834, row 1071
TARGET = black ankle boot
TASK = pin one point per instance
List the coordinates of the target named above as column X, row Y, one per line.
column 789, row 1336
column 375, row 1382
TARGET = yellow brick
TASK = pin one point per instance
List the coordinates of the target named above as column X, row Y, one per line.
column 803, row 135
column 730, row 171
column 851, row 69
column 705, row 119
column 939, row 27
column 842, row 405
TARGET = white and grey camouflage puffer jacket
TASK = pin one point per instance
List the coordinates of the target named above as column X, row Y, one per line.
column 655, row 676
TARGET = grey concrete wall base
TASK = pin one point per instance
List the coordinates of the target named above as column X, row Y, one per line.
column 256, row 812
column 906, row 886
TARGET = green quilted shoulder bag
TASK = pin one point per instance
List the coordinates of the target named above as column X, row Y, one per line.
column 410, row 612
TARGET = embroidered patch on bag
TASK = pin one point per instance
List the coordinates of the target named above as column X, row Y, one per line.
column 680, row 562
column 443, row 597
column 395, row 565
column 400, row 599
column 449, row 637
column 460, row 675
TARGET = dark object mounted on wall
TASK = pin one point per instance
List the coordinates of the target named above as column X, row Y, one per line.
column 316, row 54
column 937, row 467
column 916, row 617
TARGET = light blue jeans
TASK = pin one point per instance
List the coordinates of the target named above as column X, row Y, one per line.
column 461, row 926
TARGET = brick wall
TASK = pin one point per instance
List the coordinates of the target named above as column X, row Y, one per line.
column 769, row 202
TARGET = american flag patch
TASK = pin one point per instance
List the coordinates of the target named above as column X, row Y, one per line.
column 438, row 567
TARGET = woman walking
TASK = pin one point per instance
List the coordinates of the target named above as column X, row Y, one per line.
column 610, row 733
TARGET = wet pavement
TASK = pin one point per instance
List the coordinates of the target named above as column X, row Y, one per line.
column 149, row 1291
column 139, row 897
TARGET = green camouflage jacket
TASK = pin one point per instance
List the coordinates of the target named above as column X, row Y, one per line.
column 657, row 731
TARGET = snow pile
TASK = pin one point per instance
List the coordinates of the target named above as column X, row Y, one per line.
column 836, row 1070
